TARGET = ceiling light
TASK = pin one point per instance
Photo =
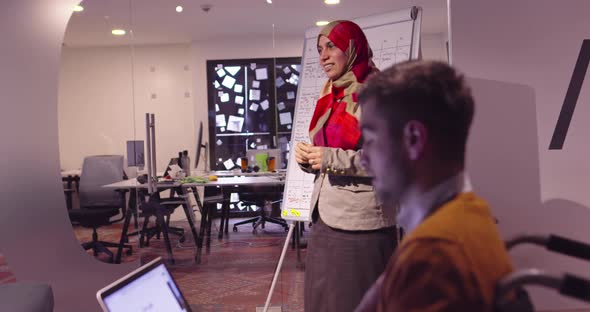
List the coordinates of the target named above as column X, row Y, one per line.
column 118, row 32
column 78, row 8
column 321, row 23
column 179, row 8
column 331, row 1
column 269, row 1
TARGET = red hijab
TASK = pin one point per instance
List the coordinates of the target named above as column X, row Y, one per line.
column 335, row 119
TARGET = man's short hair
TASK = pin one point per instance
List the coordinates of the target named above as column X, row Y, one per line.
column 431, row 92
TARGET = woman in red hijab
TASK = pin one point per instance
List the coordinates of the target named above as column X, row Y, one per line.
column 352, row 236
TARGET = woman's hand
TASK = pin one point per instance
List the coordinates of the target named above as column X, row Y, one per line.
column 314, row 155
column 309, row 154
column 301, row 153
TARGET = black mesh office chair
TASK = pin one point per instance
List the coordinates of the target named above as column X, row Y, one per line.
column 97, row 204
column 265, row 203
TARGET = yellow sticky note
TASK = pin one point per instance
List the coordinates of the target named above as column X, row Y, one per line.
column 285, row 213
column 295, row 213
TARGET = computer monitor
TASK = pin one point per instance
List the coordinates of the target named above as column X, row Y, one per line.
column 149, row 288
column 200, row 145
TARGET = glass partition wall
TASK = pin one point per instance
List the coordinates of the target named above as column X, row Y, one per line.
column 188, row 66
column 109, row 83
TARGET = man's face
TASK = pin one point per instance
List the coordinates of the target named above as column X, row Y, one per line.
column 383, row 156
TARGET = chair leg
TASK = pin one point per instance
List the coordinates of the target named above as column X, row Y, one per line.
column 144, row 232
column 162, row 223
column 124, row 237
column 277, row 221
column 251, row 220
column 187, row 212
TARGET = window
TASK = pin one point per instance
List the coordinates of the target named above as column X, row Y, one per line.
column 251, row 106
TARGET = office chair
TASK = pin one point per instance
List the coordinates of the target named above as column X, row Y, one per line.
column 166, row 207
column 99, row 205
column 265, row 203
column 510, row 295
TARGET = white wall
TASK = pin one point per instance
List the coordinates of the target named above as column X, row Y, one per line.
column 434, row 47
column 525, row 52
column 99, row 98
column 98, row 95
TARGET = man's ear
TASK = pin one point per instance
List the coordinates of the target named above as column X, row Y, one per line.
column 415, row 139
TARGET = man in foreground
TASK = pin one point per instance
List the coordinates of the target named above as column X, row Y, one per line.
column 416, row 119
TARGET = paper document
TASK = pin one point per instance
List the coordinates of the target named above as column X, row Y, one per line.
column 285, row 118
column 261, row 74
column 254, row 95
column 233, row 70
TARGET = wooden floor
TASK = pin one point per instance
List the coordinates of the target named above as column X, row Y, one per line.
column 235, row 276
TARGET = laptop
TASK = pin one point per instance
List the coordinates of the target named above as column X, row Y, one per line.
column 149, row 288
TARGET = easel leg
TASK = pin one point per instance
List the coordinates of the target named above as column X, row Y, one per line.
column 279, row 266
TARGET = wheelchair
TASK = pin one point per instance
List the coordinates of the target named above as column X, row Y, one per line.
column 510, row 294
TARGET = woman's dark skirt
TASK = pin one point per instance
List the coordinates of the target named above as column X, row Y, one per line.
column 341, row 266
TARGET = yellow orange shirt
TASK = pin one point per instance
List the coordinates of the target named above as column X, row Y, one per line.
column 450, row 262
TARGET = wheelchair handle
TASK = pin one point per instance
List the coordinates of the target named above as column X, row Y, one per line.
column 555, row 243
column 568, row 247
column 567, row 284
column 576, row 287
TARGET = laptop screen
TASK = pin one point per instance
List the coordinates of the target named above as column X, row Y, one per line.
column 150, row 288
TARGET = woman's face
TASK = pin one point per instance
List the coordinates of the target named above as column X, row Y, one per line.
column 332, row 59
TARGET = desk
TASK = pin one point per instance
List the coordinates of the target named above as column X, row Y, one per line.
column 206, row 216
